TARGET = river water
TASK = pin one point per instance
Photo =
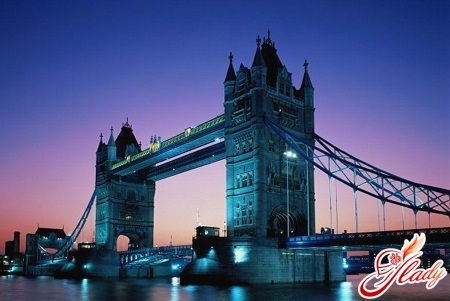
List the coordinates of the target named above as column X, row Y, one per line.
column 20, row 288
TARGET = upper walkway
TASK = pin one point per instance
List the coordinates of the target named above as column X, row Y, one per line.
column 203, row 142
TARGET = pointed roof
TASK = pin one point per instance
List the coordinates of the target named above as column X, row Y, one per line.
column 258, row 60
column 231, row 75
column 101, row 144
column 111, row 138
column 271, row 59
column 125, row 137
column 306, row 82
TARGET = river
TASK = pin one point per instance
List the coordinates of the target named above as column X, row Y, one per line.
column 20, row 288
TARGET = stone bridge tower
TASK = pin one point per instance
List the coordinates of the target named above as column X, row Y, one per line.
column 257, row 171
column 125, row 205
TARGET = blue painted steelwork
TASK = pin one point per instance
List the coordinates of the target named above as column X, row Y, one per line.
column 192, row 138
column 365, row 177
column 438, row 237
column 154, row 255
column 61, row 252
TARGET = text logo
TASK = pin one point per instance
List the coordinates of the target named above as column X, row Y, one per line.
column 401, row 268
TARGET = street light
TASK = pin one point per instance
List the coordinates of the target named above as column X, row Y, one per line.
column 288, row 154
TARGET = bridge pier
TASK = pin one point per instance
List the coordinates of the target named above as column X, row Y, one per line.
column 94, row 263
column 238, row 260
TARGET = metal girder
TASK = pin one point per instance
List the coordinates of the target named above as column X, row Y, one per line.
column 201, row 157
column 364, row 177
column 200, row 136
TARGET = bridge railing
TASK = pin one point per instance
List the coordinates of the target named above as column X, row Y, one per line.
column 166, row 143
column 364, row 177
column 156, row 253
column 433, row 235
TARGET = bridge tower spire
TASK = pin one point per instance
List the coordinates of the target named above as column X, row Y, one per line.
column 256, row 169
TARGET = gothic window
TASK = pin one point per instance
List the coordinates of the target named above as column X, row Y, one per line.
column 250, row 144
column 281, row 88
column 271, row 146
column 238, row 181
column 250, row 178
column 131, row 195
column 244, row 181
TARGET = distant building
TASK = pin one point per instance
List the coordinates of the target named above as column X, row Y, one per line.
column 44, row 238
column 12, row 247
column 204, row 231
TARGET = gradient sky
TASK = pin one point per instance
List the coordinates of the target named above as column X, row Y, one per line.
column 69, row 70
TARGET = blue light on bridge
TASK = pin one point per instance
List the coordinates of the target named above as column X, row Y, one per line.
column 176, row 266
column 345, row 264
column 240, row 254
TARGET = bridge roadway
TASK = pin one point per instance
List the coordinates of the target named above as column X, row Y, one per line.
column 154, row 255
column 365, row 241
column 198, row 146
column 436, row 238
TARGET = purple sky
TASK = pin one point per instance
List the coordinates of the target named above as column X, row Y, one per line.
column 70, row 70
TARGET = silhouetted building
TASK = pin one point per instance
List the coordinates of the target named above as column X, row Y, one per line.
column 12, row 247
column 44, row 238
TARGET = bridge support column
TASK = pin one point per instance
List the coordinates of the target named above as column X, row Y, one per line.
column 238, row 260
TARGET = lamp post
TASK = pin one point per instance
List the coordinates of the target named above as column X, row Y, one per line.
column 288, row 154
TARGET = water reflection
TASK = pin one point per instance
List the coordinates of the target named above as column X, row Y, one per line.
column 175, row 289
column 46, row 288
column 238, row 293
column 84, row 293
column 345, row 291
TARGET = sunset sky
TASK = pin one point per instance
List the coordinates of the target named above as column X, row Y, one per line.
column 69, row 70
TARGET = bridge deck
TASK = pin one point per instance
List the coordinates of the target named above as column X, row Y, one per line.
column 435, row 238
column 192, row 139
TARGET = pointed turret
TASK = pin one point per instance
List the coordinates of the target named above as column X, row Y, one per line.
column 271, row 60
column 231, row 75
column 258, row 70
column 306, row 88
column 230, row 79
column 306, row 82
column 100, row 154
column 126, row 142
column 307, row 94
column 111, row 147
column 101, row 145
column 258, row 60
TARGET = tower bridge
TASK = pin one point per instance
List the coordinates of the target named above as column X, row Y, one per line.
column 270, row 197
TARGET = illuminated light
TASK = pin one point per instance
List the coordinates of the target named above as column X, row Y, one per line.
column 240, row 254
column 290, row 154
column 344, row 263
column 175, row 266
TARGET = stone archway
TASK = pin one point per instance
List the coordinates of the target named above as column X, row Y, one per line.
column 277, row 224
column 128, row 240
